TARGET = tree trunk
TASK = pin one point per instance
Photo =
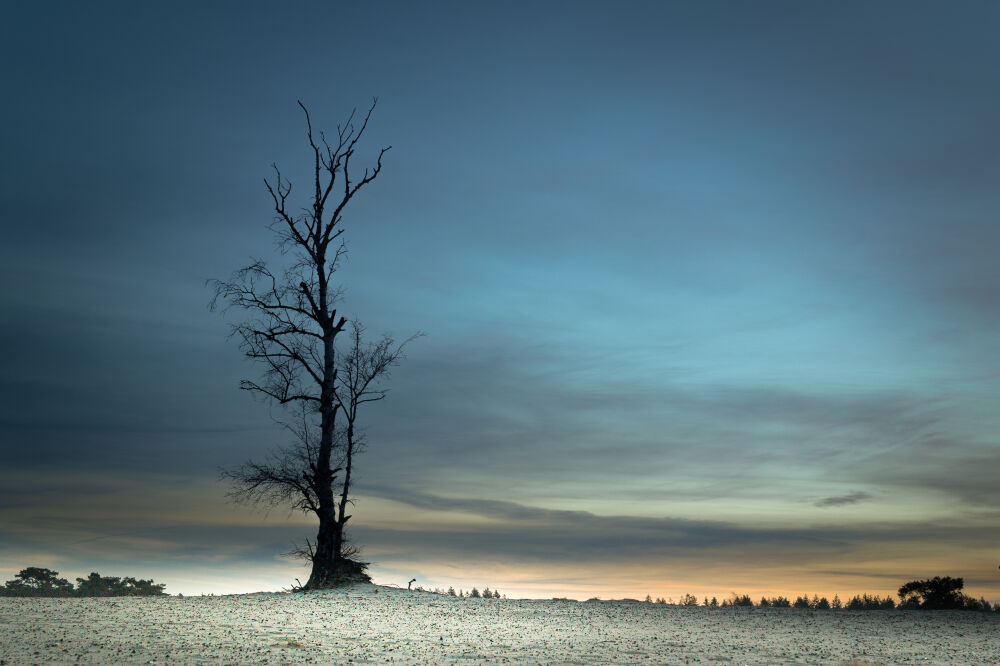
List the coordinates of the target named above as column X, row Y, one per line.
column 324, row 563
column 330, row 568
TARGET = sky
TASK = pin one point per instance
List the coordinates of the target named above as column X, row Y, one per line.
column 709, row 290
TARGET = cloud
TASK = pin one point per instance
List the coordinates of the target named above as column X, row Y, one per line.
column 891, row 575
column 536, row 533
column 488, row 412
column 959, row 468
column 840, row 500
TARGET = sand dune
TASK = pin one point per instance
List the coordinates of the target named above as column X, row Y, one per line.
column 372, row 624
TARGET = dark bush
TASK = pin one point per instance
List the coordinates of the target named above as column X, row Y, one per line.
column 984, row 605
column 37, row 582
column 938, row 593
column 737, row 600
column 96, row 585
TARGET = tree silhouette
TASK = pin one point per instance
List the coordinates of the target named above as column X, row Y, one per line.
column 292, row 331
column 37, row 582
column 41, row 582
column 96, row 585
column 940, row 592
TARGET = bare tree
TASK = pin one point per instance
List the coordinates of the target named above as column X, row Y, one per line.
column 291, row 330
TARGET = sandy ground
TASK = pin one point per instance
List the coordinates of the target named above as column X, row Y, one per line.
column 370, row 624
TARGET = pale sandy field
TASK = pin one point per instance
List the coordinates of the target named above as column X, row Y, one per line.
column 370, row 624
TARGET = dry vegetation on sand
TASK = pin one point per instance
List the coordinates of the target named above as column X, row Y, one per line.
column 368, row 623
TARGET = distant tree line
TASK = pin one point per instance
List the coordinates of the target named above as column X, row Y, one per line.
column 487, row 593
column 938, row 593
column 474, row 593
column 40, row 582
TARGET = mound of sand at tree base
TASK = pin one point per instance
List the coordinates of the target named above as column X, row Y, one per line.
column 368, row 623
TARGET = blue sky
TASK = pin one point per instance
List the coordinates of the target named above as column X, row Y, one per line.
column 710, row 289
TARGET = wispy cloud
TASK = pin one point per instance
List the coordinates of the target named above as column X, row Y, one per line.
column 840, row 500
